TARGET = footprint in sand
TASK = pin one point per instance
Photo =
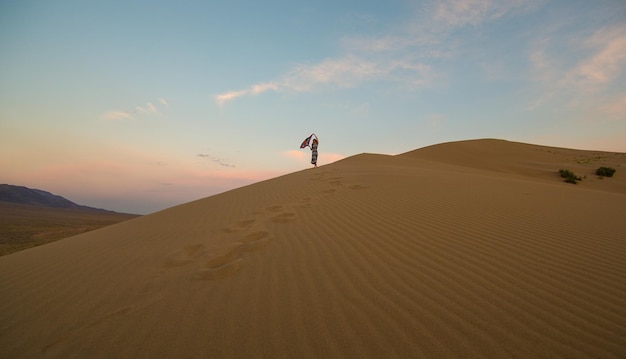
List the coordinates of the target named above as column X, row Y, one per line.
column 239, row 226
column 228, row 260
column 224, row 255
column 245, row 223
column 222, row 262
column 357, row 186
column 219, row 272
column 318, row 177
column 274, row 208
column 227, row 253
column 185, row 256
column 284, row 218
column 256, row 240
column 336, row 181
column 305, row 203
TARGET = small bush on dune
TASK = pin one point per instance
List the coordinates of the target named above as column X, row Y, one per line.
column 569, row 176
column 605, row 171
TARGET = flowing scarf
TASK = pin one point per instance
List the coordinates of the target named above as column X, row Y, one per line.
column 306, row 142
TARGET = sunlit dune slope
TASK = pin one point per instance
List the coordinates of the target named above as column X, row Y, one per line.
column 462, row 250
column 533, row 161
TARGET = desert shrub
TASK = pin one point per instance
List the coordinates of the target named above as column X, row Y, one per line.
column 569, row 176
column 605, row 171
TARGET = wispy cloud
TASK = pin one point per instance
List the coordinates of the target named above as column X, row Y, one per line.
column 228, row 96
column 146, row 109
column 592, row 67
column 260, row 88
column 459, row 13
column 428, row 30
column 345, row 72
column 463, row 12
column 342, row 72
column 398, row 56
column 609, row 59
column 220, row 161
column 255, row 89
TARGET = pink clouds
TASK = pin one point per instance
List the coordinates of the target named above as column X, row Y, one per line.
column 457, row 13
column 304, row 155
column 328, row 157
column 125, row 178
column 599, row 62
column 462, row 12
column 296, row 154
column 609, row 61
column 138, row 177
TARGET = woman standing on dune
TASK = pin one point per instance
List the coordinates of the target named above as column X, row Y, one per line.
column 314, row 151
column 313, row 146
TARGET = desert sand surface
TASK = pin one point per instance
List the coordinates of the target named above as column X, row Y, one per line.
column 472, row 249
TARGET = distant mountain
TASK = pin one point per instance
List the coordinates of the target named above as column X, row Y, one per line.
column 37, row 197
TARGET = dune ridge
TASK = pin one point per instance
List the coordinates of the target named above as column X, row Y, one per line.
column 473, row 249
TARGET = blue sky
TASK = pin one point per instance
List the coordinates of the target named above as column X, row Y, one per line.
column 136, row 106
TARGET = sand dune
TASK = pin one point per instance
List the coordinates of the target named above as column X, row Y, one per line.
column 461, row 250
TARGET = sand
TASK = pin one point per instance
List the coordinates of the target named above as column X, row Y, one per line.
column 469, row 249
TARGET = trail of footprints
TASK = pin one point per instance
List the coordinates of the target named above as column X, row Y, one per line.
column 225, row 254
column 336, row 183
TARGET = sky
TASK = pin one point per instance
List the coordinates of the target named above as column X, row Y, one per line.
column 137, row 106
